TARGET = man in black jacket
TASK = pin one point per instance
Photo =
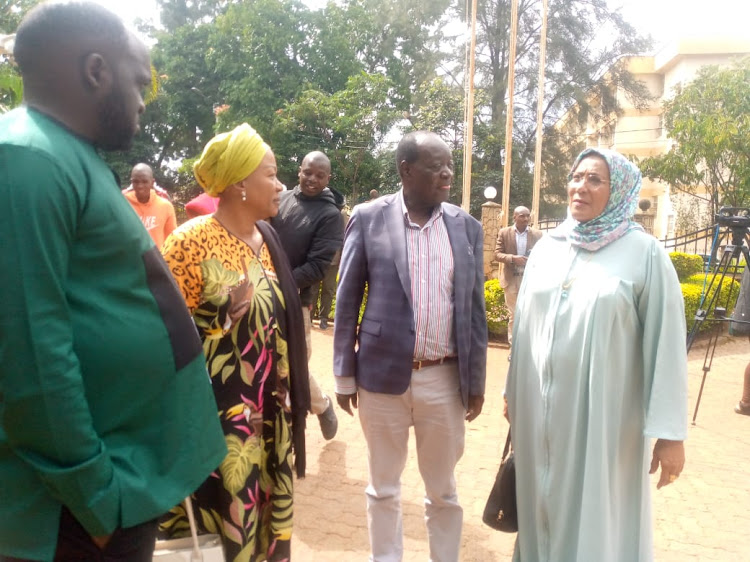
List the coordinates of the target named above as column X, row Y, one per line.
column 311, row 231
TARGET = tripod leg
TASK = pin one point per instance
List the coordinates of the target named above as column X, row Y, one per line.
column 727, row 259
column 700, row 394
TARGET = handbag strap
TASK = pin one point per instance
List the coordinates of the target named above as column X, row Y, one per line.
column 507, row 446
column 196, row 556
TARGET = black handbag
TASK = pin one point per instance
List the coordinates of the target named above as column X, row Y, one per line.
column 501, row 512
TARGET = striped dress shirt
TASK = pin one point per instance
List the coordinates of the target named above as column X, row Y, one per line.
column 431, row 272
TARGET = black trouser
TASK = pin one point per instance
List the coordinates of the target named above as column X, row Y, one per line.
column 328, row 285
column 134, row 544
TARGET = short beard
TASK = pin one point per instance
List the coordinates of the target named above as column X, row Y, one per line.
column 116, row 132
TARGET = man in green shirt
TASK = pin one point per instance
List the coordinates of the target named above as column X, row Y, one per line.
column 107, row 419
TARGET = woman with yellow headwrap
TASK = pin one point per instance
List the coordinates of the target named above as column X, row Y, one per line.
column 238, row 285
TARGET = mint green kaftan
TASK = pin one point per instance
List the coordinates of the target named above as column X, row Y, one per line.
column 598, row 368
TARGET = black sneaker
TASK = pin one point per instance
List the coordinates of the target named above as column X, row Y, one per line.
column 324, row 323
column 329, row 424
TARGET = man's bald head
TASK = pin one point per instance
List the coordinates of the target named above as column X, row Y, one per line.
column 318, row 157
column 521, row 218
column 57, row 29
column 143, row 169
column 142, row 180
column 314, row 173
column 82, row 67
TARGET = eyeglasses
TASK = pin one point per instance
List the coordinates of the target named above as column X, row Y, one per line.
column 593, row 180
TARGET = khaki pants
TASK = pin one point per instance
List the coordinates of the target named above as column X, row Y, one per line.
column 319, row 402
column 432, row 405
column 511, row 296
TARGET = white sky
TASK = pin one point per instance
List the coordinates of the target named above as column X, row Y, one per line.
column 663, row 19
column 667, row 19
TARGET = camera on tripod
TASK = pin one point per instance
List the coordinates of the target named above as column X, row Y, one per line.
column 731, row 235
column 733, row 217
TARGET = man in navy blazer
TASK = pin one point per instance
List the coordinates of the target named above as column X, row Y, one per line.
column 418, row 358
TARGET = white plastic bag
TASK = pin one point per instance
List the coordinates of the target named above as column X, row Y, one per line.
column 204, row 548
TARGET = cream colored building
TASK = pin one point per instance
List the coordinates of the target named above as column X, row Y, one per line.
column 640, row 133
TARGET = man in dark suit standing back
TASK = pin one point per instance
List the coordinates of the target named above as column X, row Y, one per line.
column 419, row 356
column 514, row 244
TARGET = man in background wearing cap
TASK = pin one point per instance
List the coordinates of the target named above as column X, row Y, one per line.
column 311, row 230
column 107, row 418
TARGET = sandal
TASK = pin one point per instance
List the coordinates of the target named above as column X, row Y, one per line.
column 742, row 409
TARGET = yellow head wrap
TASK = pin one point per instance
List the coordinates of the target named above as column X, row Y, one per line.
column 229, row 158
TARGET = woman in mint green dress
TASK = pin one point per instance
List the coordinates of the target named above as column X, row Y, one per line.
column 599, row 368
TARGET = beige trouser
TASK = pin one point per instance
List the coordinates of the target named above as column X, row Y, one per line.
column 432, row 405
column 511, row 296
column 319, row 402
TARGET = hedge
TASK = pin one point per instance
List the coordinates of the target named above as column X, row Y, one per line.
column 333, row 305
column 497, row 312
column 686, row 264
column 692, row 285
column 692, row 290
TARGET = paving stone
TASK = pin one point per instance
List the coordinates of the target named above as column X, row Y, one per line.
column 705, row 515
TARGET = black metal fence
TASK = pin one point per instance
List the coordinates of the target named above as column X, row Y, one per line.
column 549, row 224
column 698, row 242
column 646, row 220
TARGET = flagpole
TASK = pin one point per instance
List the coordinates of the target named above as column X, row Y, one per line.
column 509, row 114
column 539, row 118
column 469, row 113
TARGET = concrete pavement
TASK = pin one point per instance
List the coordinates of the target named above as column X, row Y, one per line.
column 705, row 515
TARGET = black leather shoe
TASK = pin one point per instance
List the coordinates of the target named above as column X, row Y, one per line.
column 324, row 323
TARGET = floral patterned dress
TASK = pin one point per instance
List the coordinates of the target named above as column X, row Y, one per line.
column 248, row 500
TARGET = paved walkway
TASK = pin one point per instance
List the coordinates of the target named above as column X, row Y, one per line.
column 704, row 516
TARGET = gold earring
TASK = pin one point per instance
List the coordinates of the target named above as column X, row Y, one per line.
column 244, row 195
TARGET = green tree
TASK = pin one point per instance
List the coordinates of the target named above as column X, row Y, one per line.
column 175, row 14
column 709, row 122
column 255, row 54
column 11, row 85
column 399, row 39
column 439, row 107
column 12, row 12
column 329, row 80
column 342, row 79
column 585, row 43
column 349, row 125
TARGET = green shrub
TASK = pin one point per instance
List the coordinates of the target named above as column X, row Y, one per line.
column 497, row 312
column 333, row 305
column 693, row 288
column 686, row 264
